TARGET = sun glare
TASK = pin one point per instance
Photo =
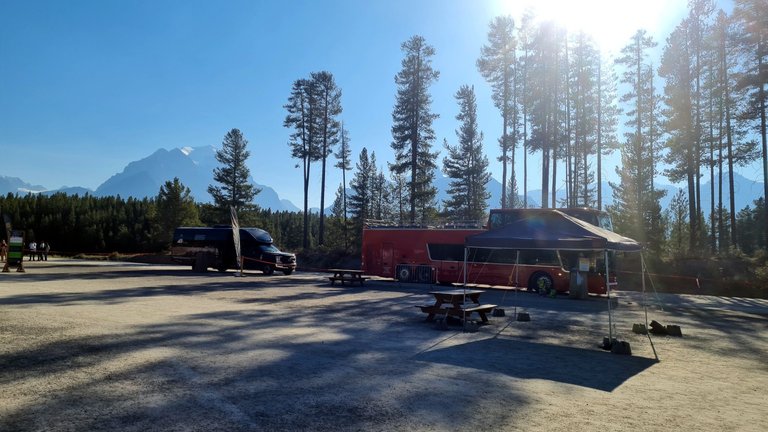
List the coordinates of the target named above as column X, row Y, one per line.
column 610, row 22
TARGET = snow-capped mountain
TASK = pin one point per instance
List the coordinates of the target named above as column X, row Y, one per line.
column 192, row 165
column 143, row 178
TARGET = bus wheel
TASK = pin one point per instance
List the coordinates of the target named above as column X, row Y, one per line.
column 404, row 274
column 540, row 282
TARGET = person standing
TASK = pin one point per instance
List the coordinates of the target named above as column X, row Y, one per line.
column 40, row 250
column 46, row 250
column 32, row 250
column 3, row 251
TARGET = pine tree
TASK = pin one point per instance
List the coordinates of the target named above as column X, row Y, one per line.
column 636, row 202
column 676, row 67
column 400, row 197
column 361, row 184
column 381, row 192
column 328, row 101
column 233, row 174
column 497, row 64
column 526, row 36
column 513, row 195
column 585, row 64
column 303, row 141
column 412, row 132
column 344, row 164
column 751, row 17
column 608, row 116
column 545, row 96
column 466, row 164
column 175, row 207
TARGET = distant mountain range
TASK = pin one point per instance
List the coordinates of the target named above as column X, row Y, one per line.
column 143, row 178
column 194, row 167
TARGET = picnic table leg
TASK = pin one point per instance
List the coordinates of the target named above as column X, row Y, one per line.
column 431, row 315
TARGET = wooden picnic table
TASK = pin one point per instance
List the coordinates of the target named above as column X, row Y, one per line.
column 458, row 302
column 347, row 275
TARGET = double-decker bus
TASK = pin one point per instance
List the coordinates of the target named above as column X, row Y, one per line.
column 437, row 255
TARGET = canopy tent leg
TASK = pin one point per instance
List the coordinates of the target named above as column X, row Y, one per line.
column 643, row 271
column 608, row 293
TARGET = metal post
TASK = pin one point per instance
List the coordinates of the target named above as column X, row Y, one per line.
column 608, row 292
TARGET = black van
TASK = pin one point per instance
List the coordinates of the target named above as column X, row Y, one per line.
column 203, row 247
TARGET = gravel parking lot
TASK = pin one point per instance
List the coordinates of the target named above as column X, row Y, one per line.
column 102, row 346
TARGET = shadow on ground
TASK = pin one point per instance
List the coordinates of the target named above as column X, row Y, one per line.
column 529, row 360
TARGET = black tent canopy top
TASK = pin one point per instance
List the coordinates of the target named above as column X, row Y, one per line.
column 552, row 230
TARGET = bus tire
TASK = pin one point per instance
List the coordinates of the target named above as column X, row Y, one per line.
column 540, row 282
column 404, row 274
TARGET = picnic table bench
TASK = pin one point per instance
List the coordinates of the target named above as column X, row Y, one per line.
column 347, row 275
column 452, row 302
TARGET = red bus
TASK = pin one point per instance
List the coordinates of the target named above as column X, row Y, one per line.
column 429, row 255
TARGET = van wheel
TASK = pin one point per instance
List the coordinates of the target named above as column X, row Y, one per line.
column 269, row 271
column 540, row 282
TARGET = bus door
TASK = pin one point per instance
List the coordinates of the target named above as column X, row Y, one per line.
column 387, row 254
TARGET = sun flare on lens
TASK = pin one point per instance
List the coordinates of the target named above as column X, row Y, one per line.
column 609, row 22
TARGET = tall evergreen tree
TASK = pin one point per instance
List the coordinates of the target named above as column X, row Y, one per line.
column 328, row 101
column 303, row 141
column 681, row 123
column 546, row 114
column 608, row 116
column 584, row 82
column 733, row 145
column 343, row 162
column 466, row 165
column 412, row 132
column 636, row 203
column 235, row 190
column 751, row 17
column 497, row 65
column 526, row 37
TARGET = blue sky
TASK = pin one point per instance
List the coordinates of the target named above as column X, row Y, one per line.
column 89, row 86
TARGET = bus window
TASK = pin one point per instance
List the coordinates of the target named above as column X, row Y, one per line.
column 446, row 252
column 539, row 257
column 479, row 255
column 496, row 220
column 605, row 221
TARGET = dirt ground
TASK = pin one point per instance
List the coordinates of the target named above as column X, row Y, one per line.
column 103, row 346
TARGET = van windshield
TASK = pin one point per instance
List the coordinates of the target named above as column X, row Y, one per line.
column 268, row 248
